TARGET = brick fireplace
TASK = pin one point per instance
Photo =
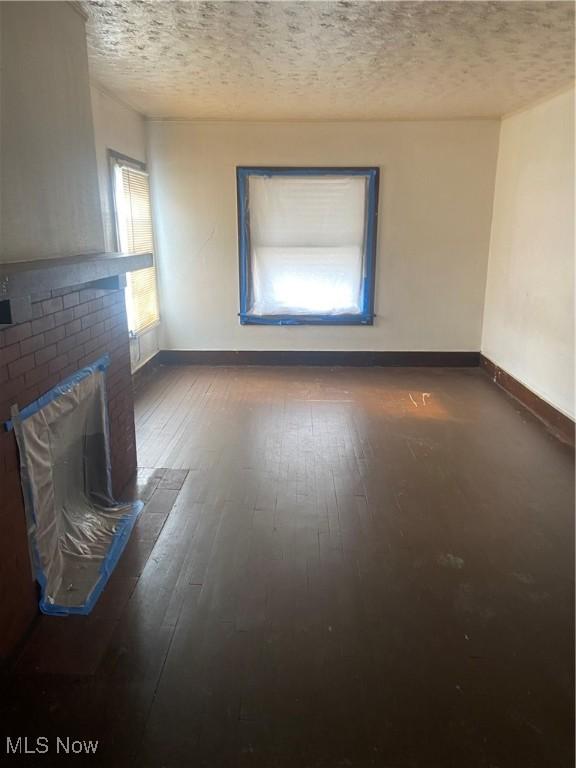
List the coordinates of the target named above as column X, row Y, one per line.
column 67, row 328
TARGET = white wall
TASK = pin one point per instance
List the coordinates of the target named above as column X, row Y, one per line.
column 120, row 128
column 437, row 182
column 117, row 127
column 529, row 309
column 49, row 190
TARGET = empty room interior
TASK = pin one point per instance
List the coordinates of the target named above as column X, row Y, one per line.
column 287, row 384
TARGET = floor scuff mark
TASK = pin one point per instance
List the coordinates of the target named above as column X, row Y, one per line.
column 451, row 561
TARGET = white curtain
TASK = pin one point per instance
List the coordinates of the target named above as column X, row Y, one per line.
column 307, row 242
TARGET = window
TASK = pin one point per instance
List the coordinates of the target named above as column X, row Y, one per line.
column 134, row 235
column 307, row 242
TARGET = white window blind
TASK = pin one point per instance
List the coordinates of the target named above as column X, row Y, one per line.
column 307, row 242
column 134, row 227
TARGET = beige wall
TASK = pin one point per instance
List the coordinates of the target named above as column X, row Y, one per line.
column 529, row 309
column 118, row 127
column 437, row 183
column 49, row 188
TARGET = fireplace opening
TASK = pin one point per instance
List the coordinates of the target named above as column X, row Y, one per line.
column 76, row 530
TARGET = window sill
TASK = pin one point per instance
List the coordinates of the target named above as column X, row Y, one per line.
column 143, row 331
column 363, row 319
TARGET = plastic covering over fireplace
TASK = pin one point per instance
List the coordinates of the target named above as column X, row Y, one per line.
column 76, row 530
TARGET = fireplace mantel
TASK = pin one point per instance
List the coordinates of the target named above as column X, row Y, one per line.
column 19, row 281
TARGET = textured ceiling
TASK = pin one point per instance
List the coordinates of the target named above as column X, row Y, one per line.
column 329, row 60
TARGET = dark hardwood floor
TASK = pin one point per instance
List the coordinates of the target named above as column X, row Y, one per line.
column 335, row 567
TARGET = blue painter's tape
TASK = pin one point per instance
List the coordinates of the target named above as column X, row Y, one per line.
column 117, row 545
column 101, row 364
column 125, row 525
column 366, row 314
column 260, row 170
column 360, row 319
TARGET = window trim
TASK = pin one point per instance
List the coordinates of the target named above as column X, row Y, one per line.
column 366, row 316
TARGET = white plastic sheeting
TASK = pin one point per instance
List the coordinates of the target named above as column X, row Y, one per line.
column 76, row 531
column 307, row 236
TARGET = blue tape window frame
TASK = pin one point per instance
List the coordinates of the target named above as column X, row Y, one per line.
column 366, row 314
